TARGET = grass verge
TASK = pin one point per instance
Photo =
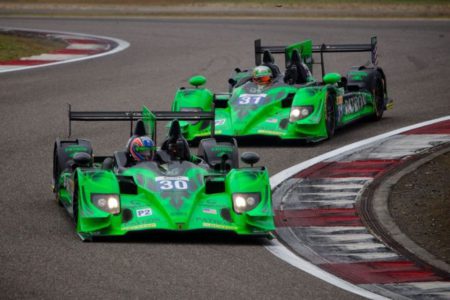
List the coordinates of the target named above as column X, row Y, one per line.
column 13, row 47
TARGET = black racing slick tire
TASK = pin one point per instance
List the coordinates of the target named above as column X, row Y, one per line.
column 56, row 173
column 330, row 115
column 75, row 204
column 378, row 95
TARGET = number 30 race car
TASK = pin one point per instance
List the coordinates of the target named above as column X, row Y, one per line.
column 293, row 104
column 174, row 190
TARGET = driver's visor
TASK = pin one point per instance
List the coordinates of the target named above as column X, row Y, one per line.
column 145, row 152
column 262, row 79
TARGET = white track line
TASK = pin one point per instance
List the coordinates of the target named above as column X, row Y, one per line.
column 122, row 45
column 279, row 250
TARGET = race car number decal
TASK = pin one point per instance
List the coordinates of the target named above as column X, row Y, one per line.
column 173, row 183
column 144, row 212
column 251, row 99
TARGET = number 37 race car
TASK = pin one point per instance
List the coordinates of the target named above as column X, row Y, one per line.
column 174, row 190
column 289, row 105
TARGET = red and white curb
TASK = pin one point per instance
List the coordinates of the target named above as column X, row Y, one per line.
column 317, row 217
column 79, row 47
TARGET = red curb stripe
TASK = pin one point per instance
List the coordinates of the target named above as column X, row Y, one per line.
column 317, row 217
column 382, row 272
column 85, row 41
column 438, row 128
column 25, row 62
column 362, row 168
column 75, row 51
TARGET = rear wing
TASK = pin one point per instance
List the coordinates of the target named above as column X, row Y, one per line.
column 146, row 115
column 321, row 49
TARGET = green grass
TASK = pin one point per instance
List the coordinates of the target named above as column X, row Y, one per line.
column 13, row 47
column 263, row 2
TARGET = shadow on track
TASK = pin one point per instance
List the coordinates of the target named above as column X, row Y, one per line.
column 186, row 237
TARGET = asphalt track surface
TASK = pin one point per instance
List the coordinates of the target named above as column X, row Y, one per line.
column 40, row 255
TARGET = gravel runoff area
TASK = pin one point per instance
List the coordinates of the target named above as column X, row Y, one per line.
column 420, row 205
column 229, row 9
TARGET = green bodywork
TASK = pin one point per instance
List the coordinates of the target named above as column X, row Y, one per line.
column 171, row 196
column 256, row 110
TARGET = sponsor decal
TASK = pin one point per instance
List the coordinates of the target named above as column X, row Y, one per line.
column 222, row 149
column 144, row 212
column 210, row 211
column 160, row 178
column 354, row 104
column 211, row 203
column 73, row 149
column 272, row 120
column 218, row 226
column 219, row 122
column 140, row 226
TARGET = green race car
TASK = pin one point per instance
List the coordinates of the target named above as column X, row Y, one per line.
column 289, row 105
column 175, row 190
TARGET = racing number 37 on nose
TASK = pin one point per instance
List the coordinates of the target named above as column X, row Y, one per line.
column 263, row 101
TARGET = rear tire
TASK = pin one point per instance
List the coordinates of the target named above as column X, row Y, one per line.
column 378, row 98
column 330, row 115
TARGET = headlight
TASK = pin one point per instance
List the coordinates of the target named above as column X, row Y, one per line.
column 107, row 202
column 192, row 109
column 243, row 202
column 300, row 112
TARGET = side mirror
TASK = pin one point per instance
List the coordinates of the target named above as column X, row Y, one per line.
column 232, row 82
column 82, row 159
column 197, row 80
column 331, row 78
column 250, row 158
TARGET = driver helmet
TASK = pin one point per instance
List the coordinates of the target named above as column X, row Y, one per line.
column 141, row 148
column 262, row 75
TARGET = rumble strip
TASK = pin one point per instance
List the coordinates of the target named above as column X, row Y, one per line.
column 318, row 216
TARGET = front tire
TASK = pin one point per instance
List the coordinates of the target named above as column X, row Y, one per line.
column 330, row 115
column 75, row 204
